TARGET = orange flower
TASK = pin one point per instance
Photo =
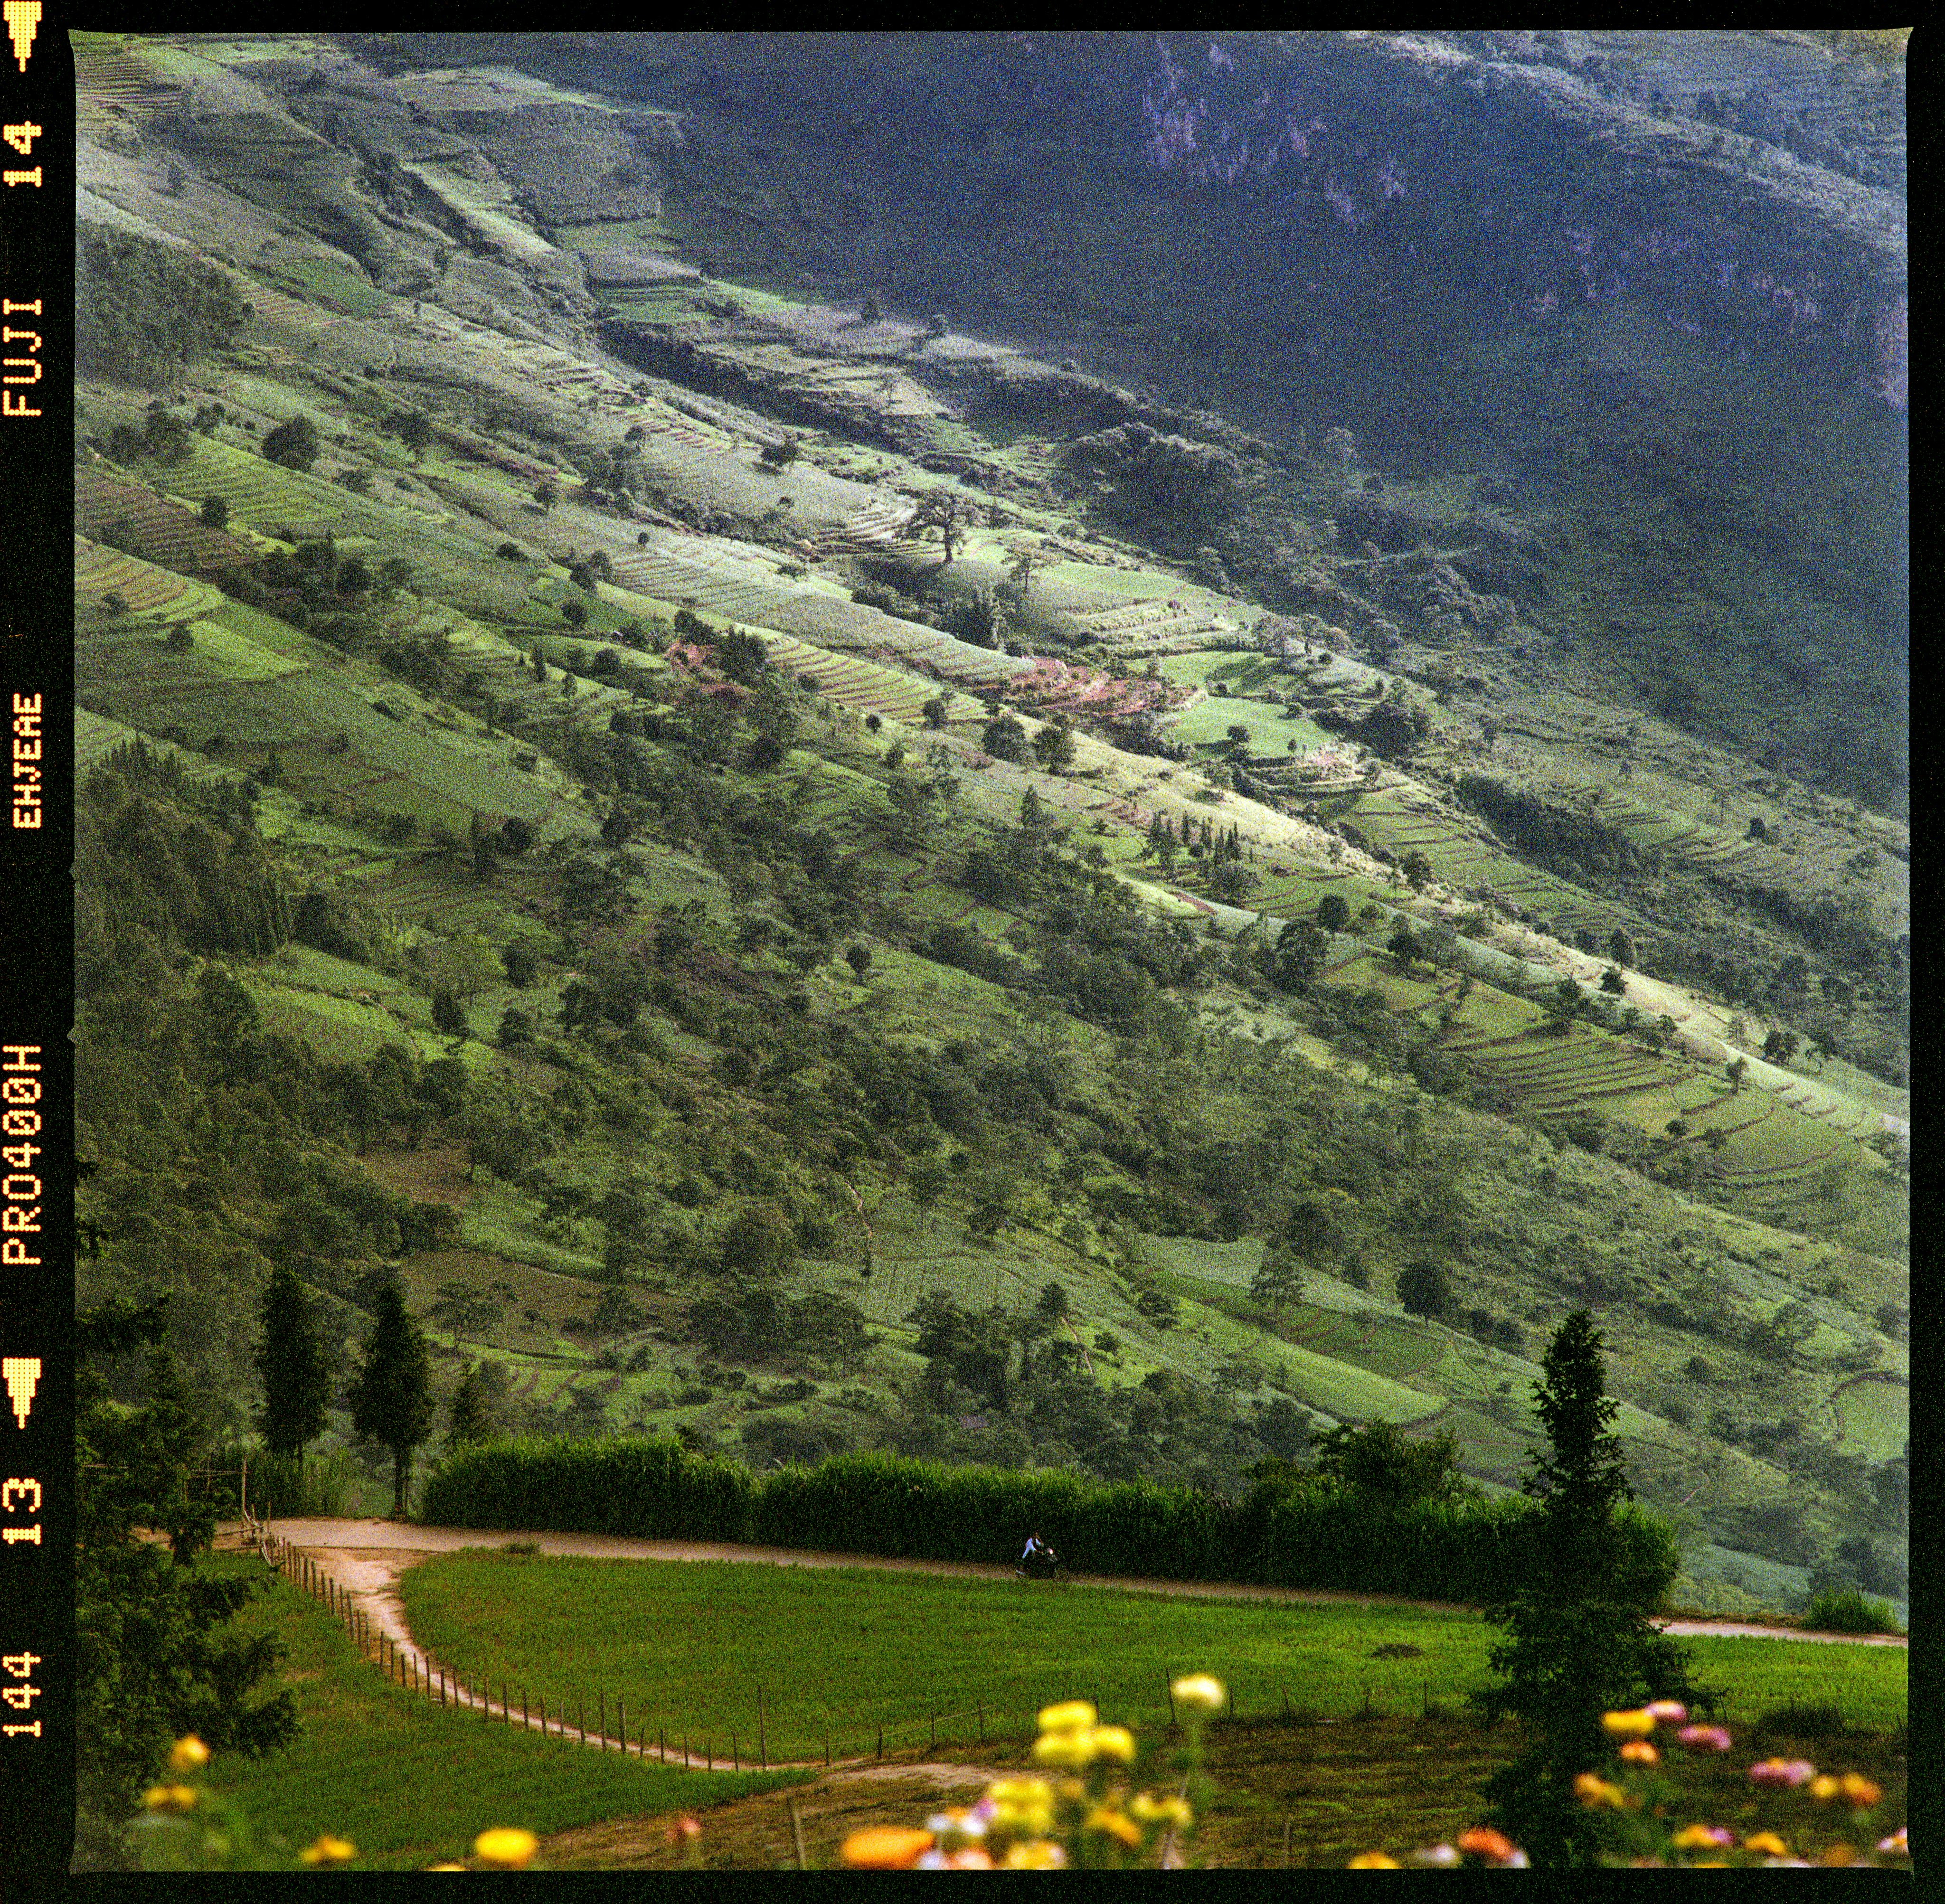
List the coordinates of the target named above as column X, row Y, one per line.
column 1373, row 1861
column 1860, row 1791
column 885, row 1847
column 1767, row 1841
column 1639, row 1751
column 1482, row 1841
column 1839, row 1854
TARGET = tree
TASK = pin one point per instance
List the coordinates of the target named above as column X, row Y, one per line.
column 1403, row 943
column 1416, row 868
column 294, row 444
column 1053, row 746
column 1424, row 1289
column 1613, row 982
column 152, row 1658
column 1580, row 1642
column 214, row 513
column 545, row 494
column 1279, row 1281
column 1779, row 1047
column 757, row 1244
column 449, row 1016
column 935, row 712
column 1620, row 947
column 297, row 1377
column 391, row 1398
column 1333, row 914
column 467, row 1419
column 1004, row 738
column 944, row 509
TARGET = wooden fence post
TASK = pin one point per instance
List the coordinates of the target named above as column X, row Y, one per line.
column 735, row 1759
column 763, row 1747
column 603, row 1729
column 523, row 1706
column 544, row 1715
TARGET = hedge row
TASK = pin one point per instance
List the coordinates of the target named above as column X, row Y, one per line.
column 1469, row 1552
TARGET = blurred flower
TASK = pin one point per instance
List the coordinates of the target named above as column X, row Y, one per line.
column 447, row 1866
column 326, row 1849
column 1373, row 1861
column 967, row 1858
column 169, row 1798
column 1666, row 1711
column 1039, row 1854
column 1639, row 1751
column 1071, row 1748
column 1711, row 1738
column 964, row 1824
column 1024, row 1806
column 506, row 1845
column 1896, row 1845
column 1200, row 1690
column 1440, row 1855
column 1075, row 1715
column 1151, row 1810
column 1481, row 1841
column 1593, row 1791
column 1116, row 1824
column 885, row 1847
column 1113, row 1741
column 1627, row 1725
column 1860, row 1791
column 1767, row 1841
column 1823, row 1787
column 1702, row 1838
column 188, row 1754
column 1840, row 1855
column 1791, row 1772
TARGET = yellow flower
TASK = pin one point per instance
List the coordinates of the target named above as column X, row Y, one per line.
column 1373, row 1861
column 169, row 1798
column 1151, row 1810
column 327, row 1849
column 1639, row 1751
column 1767, row 1841
column 1201, row 1691
column 1627, row 1725
column 1860, row 1791
column 885, row 1847
column 1116, row 1824
column 1700, row 1837
column 1594, row 1792
column 1823, row 1787
column 1075, row 1715
column 188, row 1754
column 445, row 1867
column 506, row 1845
column 1113, row 1741
column 1071, row 1748
column 1040, row 1855
column 1022, row 1806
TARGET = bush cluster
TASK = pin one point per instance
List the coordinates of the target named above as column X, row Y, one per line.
column 1291, row 1532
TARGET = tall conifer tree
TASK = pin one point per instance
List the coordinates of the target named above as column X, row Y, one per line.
column 296, row 1378
column 1580, row 1642
column 391, row 1400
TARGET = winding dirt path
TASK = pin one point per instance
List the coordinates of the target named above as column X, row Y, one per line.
column 363, row 1560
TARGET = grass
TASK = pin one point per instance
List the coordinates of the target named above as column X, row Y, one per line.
column 408, row 1782
column 842, row 1652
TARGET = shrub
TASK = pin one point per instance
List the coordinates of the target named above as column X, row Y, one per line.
column 293, row 445
column 1844, row 1609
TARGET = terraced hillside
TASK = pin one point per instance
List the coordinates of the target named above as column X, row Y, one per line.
column 806, row 899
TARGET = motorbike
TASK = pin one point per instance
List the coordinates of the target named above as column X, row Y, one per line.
column 1044, row 1565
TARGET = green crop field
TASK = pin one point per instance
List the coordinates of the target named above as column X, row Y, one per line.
column 409, row 1782
column 841, row 1651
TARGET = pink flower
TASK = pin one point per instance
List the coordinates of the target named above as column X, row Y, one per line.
column 1712, row 1739
column 1667, row 1711
column 1791, row 1772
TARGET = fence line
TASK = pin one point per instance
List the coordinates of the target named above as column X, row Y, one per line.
column 417, row 1673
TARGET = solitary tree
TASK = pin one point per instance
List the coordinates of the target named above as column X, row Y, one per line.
column 1279, row 1281
column 391, row 1400
column 294, row 444
column 1416, row 868
column 297, row 1377
column 214, row 512
column 1580, row 1642
column 465, row 1418
column 1333, row 914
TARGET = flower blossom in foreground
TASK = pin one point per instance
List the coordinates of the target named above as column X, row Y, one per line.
column 1627, row 1725
column 1712, row 1739
column 885, row 1847
column 1791, row 1772
column 188, row 1754
column 1702, row 1838
column 1482, row 1841
column 326, row 1849
column 1373, row 1861
column 1200, row 1691
column 504, row 1845
column 1666, row 1711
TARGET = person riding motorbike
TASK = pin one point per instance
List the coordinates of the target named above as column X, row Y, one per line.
column 1037, row 1559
